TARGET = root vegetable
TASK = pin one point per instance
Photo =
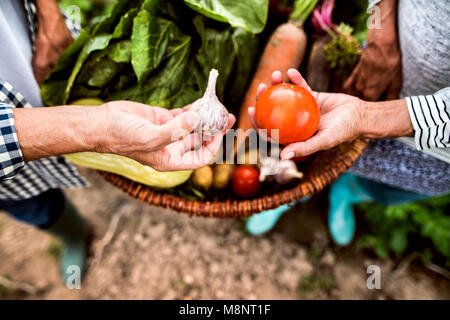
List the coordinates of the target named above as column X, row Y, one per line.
column 203, row 178
column 283, row 171
column 222, row 175
column 318, row 70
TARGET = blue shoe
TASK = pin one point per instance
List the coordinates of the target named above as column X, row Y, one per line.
column 265, row 221
column 344, row 192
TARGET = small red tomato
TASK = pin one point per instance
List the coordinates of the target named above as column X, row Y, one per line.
column 289, row 108
column 246, row 181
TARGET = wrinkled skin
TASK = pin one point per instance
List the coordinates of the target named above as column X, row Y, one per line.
column 163, row 139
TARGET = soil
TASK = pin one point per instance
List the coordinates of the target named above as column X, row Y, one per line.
column 158, row 254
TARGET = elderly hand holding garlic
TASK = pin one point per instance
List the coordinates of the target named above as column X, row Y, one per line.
column 167, row 140
column 163, row 139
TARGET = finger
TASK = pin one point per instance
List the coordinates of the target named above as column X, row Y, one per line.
column 192, row 141
column 209, row 150
column 176, row 111
column 177, row 128
column 296, row 78
column 251, row 113
column 277, row 77
column 195, row 139
column 305, row 148
column 231, row 121
column 262, row 133
column 194, row 159
column 261, row 89
column 393, row 91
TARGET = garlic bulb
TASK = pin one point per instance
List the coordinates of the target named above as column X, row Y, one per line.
column 283, row 171
column 213, row 114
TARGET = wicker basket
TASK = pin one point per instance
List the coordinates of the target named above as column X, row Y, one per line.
column 323, row 169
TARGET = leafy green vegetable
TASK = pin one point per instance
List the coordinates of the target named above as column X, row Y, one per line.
column 343, row 51
column 157, row 52
column 249, row 15
column 86, row 12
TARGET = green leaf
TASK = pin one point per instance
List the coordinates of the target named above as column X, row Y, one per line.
column 53, row 87
column 125, row 26
column 162, row 88
column 104, row 72
column 120, row 52
column 108, row 24
column 149, row 42
column 249, row 14
column 52, row 92
column 382, row 250
column 97, row 43
column 243, row 44
column 399, row 241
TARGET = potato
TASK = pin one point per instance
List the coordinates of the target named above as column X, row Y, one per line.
column 203, row 177
column 222, row 175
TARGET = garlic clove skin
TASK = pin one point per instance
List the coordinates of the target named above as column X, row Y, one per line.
column 283, row 171
column 287, row 172
column 213, row 114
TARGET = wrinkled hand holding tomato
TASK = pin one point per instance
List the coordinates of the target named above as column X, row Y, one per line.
column 289, row 108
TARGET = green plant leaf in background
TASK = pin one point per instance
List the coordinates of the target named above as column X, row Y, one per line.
column 250, row 15
column 393, row 226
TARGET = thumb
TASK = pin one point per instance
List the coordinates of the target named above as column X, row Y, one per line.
column 177, row 128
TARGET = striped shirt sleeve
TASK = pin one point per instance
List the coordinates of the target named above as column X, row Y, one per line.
column 430, row 117
column 11, row 158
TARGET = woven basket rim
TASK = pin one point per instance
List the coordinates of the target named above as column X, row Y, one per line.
column 241, row 208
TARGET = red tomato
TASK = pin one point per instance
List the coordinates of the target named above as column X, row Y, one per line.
column 246, row 181
column 289, row 108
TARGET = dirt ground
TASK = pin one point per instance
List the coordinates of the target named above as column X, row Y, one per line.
column 158, row 254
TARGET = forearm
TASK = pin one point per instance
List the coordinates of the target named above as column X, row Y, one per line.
column 45, row 132
column 386, row 119
column 427, row 118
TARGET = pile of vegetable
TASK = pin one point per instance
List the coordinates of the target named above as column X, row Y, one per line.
column 245, row 180
column 160, row 53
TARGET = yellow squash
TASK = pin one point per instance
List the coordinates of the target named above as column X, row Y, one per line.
column 124, row 166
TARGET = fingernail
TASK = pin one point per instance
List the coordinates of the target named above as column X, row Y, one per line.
column 288, row 156
column 192, row 119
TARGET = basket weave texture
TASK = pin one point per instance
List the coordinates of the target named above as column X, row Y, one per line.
column 324, row 168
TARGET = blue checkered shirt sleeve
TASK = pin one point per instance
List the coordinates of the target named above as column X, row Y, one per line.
column 11, row 159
